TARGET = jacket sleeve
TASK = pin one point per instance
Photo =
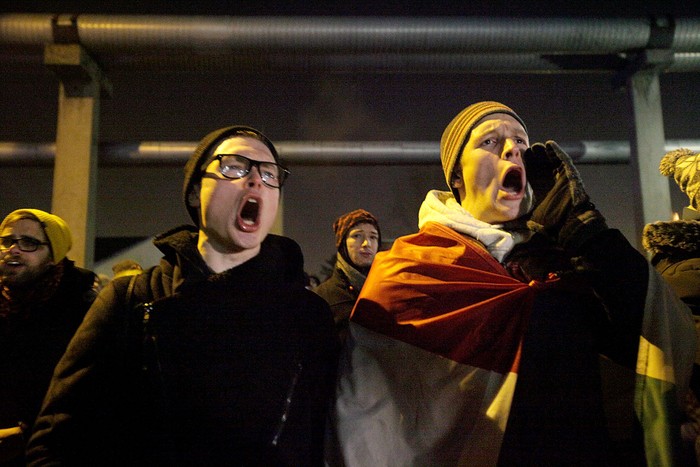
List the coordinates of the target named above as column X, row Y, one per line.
column 652, row 331
column 619, row 275
column 77, row 413
column 639, row 304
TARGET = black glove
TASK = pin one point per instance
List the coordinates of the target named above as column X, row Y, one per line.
column 565, row 214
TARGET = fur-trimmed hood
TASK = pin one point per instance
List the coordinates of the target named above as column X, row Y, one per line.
column 672, row 238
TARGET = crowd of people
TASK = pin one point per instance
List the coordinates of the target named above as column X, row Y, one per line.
column 477, row 340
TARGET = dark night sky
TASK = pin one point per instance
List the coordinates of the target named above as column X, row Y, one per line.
column 538, row 8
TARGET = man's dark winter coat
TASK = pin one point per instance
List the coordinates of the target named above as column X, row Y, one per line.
column 32, row 342
column 234, row 368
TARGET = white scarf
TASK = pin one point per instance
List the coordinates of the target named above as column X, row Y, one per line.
column 443, row 208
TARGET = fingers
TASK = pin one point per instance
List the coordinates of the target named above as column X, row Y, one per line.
column 556, row 152
column 542, row 156
column 536, row 157
column 576, row 187
column 541, row 168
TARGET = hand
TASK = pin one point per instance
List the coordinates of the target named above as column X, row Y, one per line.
column 565, row 214
column 541, row 170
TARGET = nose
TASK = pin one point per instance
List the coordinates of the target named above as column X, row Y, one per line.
column 14, row 249
column 254, row 177
column 510, row 149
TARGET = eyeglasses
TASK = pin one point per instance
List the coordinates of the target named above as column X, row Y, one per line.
column 27, row 244
column 235, row 166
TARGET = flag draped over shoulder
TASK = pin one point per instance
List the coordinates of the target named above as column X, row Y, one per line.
column 433, row 355
column 666, row 352
column 431, row 363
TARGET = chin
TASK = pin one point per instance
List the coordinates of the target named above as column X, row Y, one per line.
column 246, row 240
column 508, row 213
column 360, row 263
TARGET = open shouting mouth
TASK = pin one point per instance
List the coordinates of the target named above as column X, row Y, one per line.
column 513, row 182
column 248, row 218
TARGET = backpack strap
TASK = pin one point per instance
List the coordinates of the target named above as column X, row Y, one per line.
column 139, row 289
column 130, row 291
column 138, row 304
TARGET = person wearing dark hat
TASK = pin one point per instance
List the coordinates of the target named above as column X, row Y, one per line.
column 357, row 240
column 476, row 341
column 674, row 247
column 219, row 355
column 43, row 299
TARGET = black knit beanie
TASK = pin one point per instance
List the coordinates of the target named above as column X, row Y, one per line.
column 201, row 155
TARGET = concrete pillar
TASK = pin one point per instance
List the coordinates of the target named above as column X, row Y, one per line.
column 75, row 166
column 652, row 194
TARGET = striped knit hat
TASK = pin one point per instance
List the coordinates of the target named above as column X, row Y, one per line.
column 457, row 133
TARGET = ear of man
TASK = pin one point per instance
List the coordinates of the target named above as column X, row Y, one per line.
column 193, row 196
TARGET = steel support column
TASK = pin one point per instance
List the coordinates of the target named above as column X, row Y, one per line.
column 648, row 143
column 75, row 165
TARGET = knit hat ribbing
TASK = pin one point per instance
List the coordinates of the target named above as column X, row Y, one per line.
column 200, row 156
column 344, row 223
column 55, row 229
column 457, row 133
column 683, row 164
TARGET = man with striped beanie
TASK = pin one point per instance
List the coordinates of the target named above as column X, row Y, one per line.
column 476, row 340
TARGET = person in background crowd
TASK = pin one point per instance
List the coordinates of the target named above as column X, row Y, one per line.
column 219, row 355
column 126, row 267
column 357, row 239
column 675, row 252
column 476, row 341
column 43, row 299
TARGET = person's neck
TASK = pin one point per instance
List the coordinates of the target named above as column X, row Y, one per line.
column 220, row 261
column 354, row 275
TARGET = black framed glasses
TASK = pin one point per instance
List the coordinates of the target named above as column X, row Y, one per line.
column 235, row 166
column 27, row 244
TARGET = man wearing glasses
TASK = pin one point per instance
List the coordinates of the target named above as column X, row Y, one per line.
column 217, row 356
column 43, row 299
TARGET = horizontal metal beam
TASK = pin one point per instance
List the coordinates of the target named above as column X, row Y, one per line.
column 175, row 153
column 417, row 44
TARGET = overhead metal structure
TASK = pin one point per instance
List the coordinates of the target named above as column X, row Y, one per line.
column 309, row 153
column 440, row 44
column 635, row 50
